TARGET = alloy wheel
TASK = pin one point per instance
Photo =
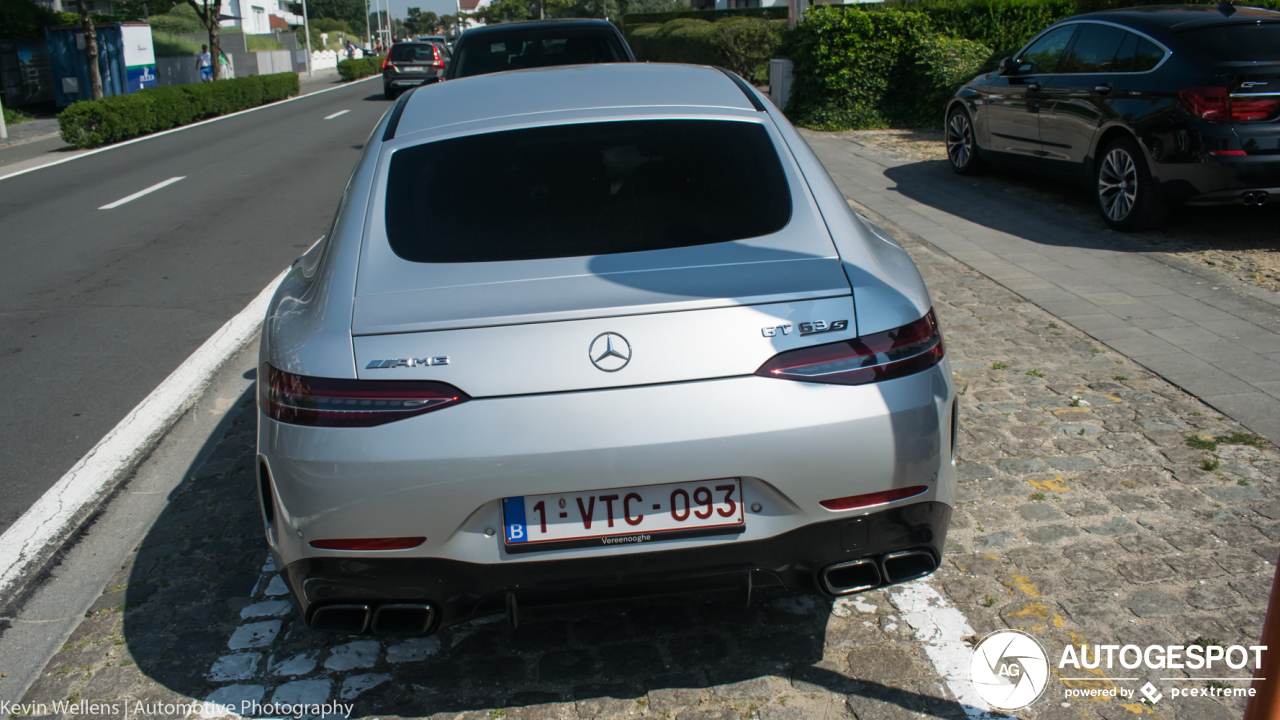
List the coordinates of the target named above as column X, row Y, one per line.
column 1118, row 184
column 959, row 140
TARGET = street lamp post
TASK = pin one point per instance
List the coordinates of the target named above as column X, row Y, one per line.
column 306, row 27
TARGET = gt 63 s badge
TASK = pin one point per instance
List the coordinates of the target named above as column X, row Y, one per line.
column 807, row 328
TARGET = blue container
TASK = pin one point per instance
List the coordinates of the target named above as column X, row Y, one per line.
column 126, row 60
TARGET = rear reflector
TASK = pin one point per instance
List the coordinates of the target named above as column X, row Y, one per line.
column 330, row 402
column 872, row 358
column 399, row 543
column 876, row 498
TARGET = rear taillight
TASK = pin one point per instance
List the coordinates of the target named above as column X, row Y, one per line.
column 439, row 61
column 329, row 402
column 873, row 358
column 387, row 63
column 1218, row 105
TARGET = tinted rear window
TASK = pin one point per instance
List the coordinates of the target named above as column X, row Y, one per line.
column 412, row 53
column 1259, row 42
column 496, row 52
column 580, row 190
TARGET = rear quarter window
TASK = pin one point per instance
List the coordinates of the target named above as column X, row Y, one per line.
column 584, row 190
column 1253, row 43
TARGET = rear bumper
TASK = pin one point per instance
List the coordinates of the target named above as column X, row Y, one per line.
column 407, row 80
column 1221, row 180
column 455, row 591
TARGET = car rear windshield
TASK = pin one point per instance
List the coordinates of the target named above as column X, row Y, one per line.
column 413, row 53
column 496, row 52
column 581, row 190
column 1257, row 42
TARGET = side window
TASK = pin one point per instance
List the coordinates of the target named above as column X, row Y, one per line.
column 1094, row 50
column 1147, row 56
column 1044, row 55
column 1124, row 56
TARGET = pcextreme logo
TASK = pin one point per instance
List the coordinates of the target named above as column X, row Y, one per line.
column 1010, row 669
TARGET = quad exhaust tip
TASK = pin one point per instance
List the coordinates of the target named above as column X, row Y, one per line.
column 1255, row 199
column 851, row 577
column 389, row 619
column 869, row 573
column 907, row 565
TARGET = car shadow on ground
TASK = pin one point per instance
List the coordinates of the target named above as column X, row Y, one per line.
column 1056, row 212
column 204, row 618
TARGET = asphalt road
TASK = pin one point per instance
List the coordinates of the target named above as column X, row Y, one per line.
column 100, row 305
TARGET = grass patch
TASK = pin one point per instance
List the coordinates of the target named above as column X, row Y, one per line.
column 1249, row 439
column 999, row 366
column 13, row 117
column 1096, row 351
column 1037, row 496
column 1242, row 481
column 988, row 601
column 1199, row 443
column 167, row 45
column 1210, row 463
column 1119, row 378
column 1035, row 373
column 258, row 43
column 1195, row 413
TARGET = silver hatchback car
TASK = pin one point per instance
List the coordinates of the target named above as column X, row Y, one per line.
column 596, row 332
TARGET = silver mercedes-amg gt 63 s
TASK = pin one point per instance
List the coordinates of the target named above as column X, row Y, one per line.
column 596, row 332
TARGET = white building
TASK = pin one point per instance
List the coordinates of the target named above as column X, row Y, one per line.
column 254, row 16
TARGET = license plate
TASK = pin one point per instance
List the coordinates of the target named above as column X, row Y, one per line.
column 623, row 516
column 411, row 68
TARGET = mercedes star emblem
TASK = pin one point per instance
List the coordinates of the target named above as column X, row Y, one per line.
column 610, row 352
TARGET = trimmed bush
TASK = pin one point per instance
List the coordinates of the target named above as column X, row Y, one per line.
column 363, row 67
column 658, row 18
column 92, row 123
column 741, row 44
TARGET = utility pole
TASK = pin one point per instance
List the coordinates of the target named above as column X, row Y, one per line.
column 368, row 38
column 4, row 131
column 306, row 27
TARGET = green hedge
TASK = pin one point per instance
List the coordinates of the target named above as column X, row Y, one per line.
column 741, row 44
column 363, row 67
column 91, row 123
column 658, row 18
column 856, row 69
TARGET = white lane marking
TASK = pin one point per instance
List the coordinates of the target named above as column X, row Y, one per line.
column 140, row 193
column 50, row 517
column 105, row 148
column 941, row 628
column 340, row 112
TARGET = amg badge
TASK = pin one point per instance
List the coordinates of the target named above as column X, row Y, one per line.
column 406, row 362
column 822, row 326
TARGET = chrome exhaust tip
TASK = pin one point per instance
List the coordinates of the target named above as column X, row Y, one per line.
column 402, row 619
column 1255, row 198
column 907, row 565
column 850, row 577
column 341, row 619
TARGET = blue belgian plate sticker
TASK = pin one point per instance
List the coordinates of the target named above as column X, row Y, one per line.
column 513, row 516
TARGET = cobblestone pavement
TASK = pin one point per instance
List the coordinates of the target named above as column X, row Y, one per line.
column 1085, row 516
column 1237, row 241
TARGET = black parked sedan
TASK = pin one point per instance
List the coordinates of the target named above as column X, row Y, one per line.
column 537, row 43
column 1149, row 105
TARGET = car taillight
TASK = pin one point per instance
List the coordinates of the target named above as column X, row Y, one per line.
column 439, row 61
column 387, row 63
column 329, row 402
column 1218, row 105
column 873, row 358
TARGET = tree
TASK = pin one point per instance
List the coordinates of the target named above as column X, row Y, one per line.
column 449, row 24
column 212, row 19
column 421, row 23
column 350, row 10
column 90, row 49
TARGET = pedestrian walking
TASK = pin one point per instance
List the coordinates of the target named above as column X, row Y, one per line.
column 205, row 62
column 225, row 68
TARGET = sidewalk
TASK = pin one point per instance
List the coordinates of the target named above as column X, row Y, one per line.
column 30, row 130
column 1210, row 335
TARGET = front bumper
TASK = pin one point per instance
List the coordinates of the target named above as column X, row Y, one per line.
column 457, row 591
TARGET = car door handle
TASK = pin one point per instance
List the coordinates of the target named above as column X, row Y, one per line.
column 1034, row 87
column 1102, row 89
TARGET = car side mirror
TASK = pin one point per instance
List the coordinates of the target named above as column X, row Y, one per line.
column 1006, row 66
column 430, row 81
